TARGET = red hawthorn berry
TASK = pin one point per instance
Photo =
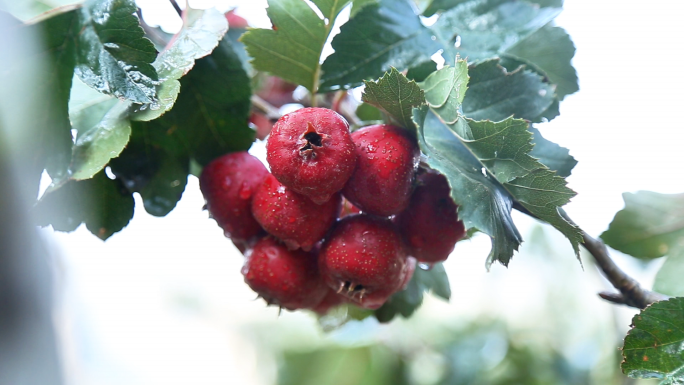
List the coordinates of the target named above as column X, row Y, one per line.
column 235, row 21
column 387, row 159
column 287, row 278
column 410, row 269
column 276, row 91
column 430, row 225
column 227, row 184
column 311, row 152
column 292, row 217
column 364, row 258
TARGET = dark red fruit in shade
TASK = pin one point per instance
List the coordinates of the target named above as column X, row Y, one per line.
column 227, row 184
column 311, row 152
column 276, row 91
column 386, row 164
column 292, row 217
column 364, row 258
column 430, row 225
column 284, row 277
column 331, row 300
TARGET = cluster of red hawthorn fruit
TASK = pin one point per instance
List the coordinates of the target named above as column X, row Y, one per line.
column 341, row 217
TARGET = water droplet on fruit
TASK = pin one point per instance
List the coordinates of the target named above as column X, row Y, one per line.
column 245, row 191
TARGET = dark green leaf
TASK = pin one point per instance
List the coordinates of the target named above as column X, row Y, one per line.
column 211, row 115
column 488, row 165
column 549, row 50
column 158, row 175
column 421, row 71
column 482, row 29
column 201, row 33
column 293, row 50
column 113, row 55
column 551, row 155
column 650, row 225
column 358, row 5
column 103, row 204
column 654, row 348
column 495, row 94
column 395, row 95
column 669, row 278
column 379, row 37
column 406, row 302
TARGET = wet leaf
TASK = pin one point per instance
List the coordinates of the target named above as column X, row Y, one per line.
column 113, row 55
column 654, row 347
column 394, row 94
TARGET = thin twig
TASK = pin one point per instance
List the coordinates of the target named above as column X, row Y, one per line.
column 630, row 292
column 176, row 7
column 267, row 108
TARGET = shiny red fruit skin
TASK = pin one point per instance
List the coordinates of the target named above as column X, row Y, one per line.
column 287, row 278
column 430, row 225
column 227, row 184
column 386, row 164
column 292, row 217
column 364, row 258
column 314, row 168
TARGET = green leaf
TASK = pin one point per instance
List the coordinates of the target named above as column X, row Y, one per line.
column 551, row 155
column 358, row 5
column 488, row 166
column 653, row 347
column 379, row 37
column 669, row 278
column 293, row 50
column 159, row 175
column 421, row 71
column 406, row 302
column 211, row 115
column 487, row 28
column 366, row 112
column 549, row 51
column 113, row 55
column 495, row 94
column 201, row 33
column 650, row 225
column 95, row 146
column 444, row 5
column 103, row 204
column 395, row 95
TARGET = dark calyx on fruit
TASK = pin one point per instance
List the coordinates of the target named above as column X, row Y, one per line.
column 287, row 278
column 311, row 152
column 430, row 225
column 292, row 217
column 387, row 159
column 227, row 184
column 364, row 259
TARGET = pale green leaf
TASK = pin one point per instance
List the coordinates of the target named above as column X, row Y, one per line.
column 670, row 277
column 551, row 155
column 495, row 94
column 488, row 166
column 650, row 225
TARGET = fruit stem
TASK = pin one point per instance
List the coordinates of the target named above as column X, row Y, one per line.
column 630, row 292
